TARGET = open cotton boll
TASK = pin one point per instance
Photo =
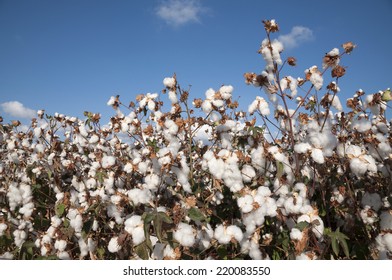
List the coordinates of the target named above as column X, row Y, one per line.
column 245, row 203
column 3, row 227
column 151, row 105
column 373, row 200
column 185, row 235
column 108, row 161
column 224, row 234
column 367, row 215
column 60, row 245
column 296, row 234
column 113, row 245
column 317, row 156
column 318, row 227
column 226, row 92
column 358, row 167
column 361, row 125
column 169, row 82
column 248, row 173
column 76, row 221
column 173, row 97
column 171, row 126
column 152, row 181
column 139, row 196
column 336, row 103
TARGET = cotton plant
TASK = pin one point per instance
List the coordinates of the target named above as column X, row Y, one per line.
column 294, row 175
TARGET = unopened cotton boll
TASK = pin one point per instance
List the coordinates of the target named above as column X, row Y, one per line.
column 185, row 235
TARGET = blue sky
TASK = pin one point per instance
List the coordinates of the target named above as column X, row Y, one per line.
column 71, row 56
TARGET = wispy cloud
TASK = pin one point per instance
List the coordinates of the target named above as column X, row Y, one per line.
column 297, row 36
column 180, row 12
column 17, row 110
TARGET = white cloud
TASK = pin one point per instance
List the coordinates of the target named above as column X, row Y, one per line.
column 298, row 35
column 180, row 12
column 17, row 110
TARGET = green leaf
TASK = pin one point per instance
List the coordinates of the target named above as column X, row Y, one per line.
column 335, row 246
column 222, row 252
column 196, row 215
column 158, row 227
column 142, row 251
column 302, row 225
column 165, row 218
column 344, row 245
column 101, row 252
column 148, row 217
column 59, row 209
column 280, row 168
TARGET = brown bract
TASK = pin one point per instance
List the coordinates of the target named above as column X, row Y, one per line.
column 338, row 71
column 348, row 47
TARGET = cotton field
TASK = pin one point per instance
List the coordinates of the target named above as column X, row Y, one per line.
column 296, row 176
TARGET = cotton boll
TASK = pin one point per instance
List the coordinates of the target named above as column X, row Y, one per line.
column 206, row 106
column 76, row 220
column 152, row 181
column 19, row 237
column 373, row 200
column 361, row 125
column 367, row 215
column 171, row 126
column 358, row 167
column 218, row 102
column 235, row 232
column 336, row 104
column 60, row 245
column 226, row 92
column 185, row 235
column 317, row 228
column 245, row 203
column 221, row 236
column 248, row 173
column 63, row 255
column 173, row 97
column 169, row 253
column 3, row 227
column 306, row 256
column 139, row 196
column 169, row 82
column 138, row 235
column 295, row 234
column 113, row 245
column 317, row 156
column 112, row 101
column 108, row 161
column 6, row 256
column 302, row 148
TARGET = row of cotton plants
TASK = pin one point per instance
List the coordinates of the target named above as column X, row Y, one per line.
column 293, row 177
